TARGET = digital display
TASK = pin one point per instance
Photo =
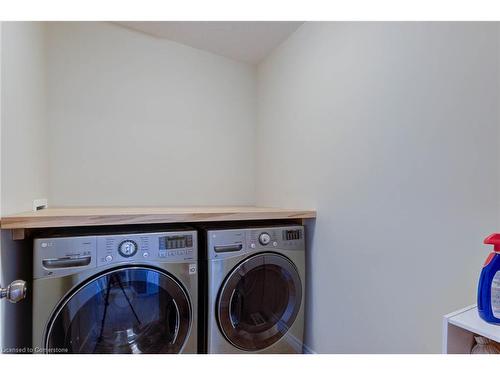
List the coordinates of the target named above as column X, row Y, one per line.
column 292, row 234
column 175, row 242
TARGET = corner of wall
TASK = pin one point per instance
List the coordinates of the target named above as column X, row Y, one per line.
column 24, row 122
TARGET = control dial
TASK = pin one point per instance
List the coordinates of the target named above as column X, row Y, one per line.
column 127, row 248
column 264, row 238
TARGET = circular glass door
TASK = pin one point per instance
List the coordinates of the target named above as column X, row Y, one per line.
column 127, row 310
column 259, row 301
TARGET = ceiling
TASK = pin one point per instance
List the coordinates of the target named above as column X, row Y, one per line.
column 247, row 41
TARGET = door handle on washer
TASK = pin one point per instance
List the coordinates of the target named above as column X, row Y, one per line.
column 66, row 262
column 228, row 248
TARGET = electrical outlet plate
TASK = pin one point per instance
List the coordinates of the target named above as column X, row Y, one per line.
column 40, row 204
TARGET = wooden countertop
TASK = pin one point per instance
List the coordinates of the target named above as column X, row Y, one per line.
column 87, row 216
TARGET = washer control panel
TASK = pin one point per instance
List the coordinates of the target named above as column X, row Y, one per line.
column 230, row 242
column 60, row 256
column 164, row 247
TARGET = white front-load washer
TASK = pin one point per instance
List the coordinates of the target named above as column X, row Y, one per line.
column 255, row 298
column 126, row 293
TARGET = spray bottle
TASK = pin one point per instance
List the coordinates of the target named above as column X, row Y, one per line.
column 488, row 292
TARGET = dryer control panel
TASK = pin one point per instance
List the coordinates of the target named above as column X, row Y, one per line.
column 61, row 256
column 230, row 242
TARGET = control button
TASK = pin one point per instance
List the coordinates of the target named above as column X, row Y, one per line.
column 108, row 258
column 264, row 238
column 127, row 248
column 275, row 244
column 252, row 245
column 145, row 254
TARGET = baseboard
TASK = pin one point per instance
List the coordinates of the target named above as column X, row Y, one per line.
column 307, row 350
column 298, row 345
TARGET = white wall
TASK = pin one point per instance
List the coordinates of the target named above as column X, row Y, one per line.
column 391, row 131
column 24, row 132
column 136, row 120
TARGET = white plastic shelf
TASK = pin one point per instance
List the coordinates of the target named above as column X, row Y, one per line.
column 460, row 327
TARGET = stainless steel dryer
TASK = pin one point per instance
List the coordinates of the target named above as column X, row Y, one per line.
column 129, row 293
column 255, row 299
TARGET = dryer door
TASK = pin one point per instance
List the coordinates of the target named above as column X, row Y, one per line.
column 125, row 310
column 259, row 301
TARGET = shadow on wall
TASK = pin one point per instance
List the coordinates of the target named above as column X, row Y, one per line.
column 310, row 227
column 16, row 264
